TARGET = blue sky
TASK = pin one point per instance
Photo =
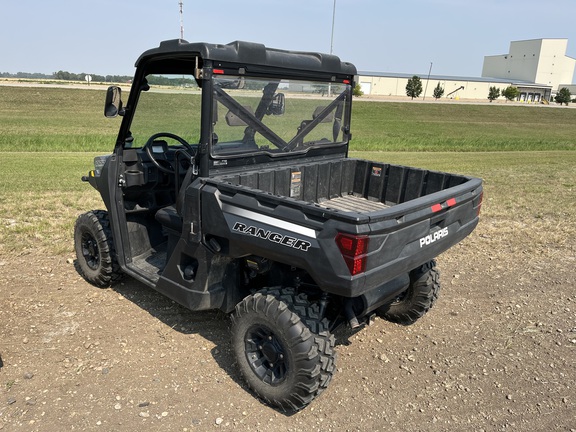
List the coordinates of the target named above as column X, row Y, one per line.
column 106, row 36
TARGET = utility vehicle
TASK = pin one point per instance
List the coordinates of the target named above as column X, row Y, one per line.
column 230, row 188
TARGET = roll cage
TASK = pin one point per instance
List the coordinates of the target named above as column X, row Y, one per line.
column 216, row 68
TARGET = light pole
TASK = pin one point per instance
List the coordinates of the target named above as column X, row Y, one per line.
column 332, row 35
column 428, row 79
column 332, row 42
column 181, row 3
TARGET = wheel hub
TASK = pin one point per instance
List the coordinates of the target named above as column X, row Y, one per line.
column 90, row 251
column 266, row 355
column 271, row 352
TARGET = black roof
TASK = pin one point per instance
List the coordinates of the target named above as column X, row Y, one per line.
column 251, row 53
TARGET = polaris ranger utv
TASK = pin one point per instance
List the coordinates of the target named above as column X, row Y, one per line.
column 230, row 188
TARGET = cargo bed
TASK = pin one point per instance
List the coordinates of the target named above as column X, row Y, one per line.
column 351, row 186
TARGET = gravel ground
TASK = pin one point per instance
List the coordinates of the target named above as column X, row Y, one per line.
column 497, row 352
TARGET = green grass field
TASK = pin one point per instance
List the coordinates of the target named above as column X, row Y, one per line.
column 48, row 138
column 458, row 127
column 526, row 194
column 50, row 119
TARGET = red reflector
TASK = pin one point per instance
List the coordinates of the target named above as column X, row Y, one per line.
column 218, row 71
column 346, row 81
column 451, row 202
column 436, row 207
column 353, row 249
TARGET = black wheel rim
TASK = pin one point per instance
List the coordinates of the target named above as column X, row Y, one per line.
column 266, row 355
column 90, row 251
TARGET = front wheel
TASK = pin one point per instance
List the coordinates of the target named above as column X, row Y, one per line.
column 418, row 299
column 283, row 349
column 96, row 257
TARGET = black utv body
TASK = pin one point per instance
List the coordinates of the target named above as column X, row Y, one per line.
column 230, row 188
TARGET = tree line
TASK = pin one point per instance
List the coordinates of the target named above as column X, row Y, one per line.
column 68, row 76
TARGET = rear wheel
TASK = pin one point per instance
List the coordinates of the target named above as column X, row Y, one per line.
column 283, row 349
column 95, row 253
column 418, row 299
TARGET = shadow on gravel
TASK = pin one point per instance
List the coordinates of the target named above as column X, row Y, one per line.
column 211, row 325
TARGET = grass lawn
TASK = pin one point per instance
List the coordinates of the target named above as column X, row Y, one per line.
column 48, row 138
column 398, row 126
column 529, row 194
column 55, row 119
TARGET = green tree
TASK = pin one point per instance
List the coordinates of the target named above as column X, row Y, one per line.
column 493, row 93
column 438, row 92
column 563, row 96
column 62, row 75
column 357, row 90
column 510, row 93
column 414, row 87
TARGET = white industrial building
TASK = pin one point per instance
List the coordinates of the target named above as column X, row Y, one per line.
column 541, row 61
column 393, row 84
column 538, row 68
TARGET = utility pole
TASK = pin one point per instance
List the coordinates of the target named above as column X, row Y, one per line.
column 428, row 79
column 181, row 3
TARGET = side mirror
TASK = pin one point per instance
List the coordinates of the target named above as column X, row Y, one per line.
column 236, row 84
column 278, row 105
column 113, row 106
column 233, row 120
column 327, row 118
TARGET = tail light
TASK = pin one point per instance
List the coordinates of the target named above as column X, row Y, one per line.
column 353, row 249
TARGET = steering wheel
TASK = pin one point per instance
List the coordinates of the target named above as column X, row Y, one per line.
column 150, row 153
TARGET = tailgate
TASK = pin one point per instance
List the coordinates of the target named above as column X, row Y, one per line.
column 399, row 238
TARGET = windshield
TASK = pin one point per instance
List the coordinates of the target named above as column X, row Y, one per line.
column 167, row 103
column 277, row 116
